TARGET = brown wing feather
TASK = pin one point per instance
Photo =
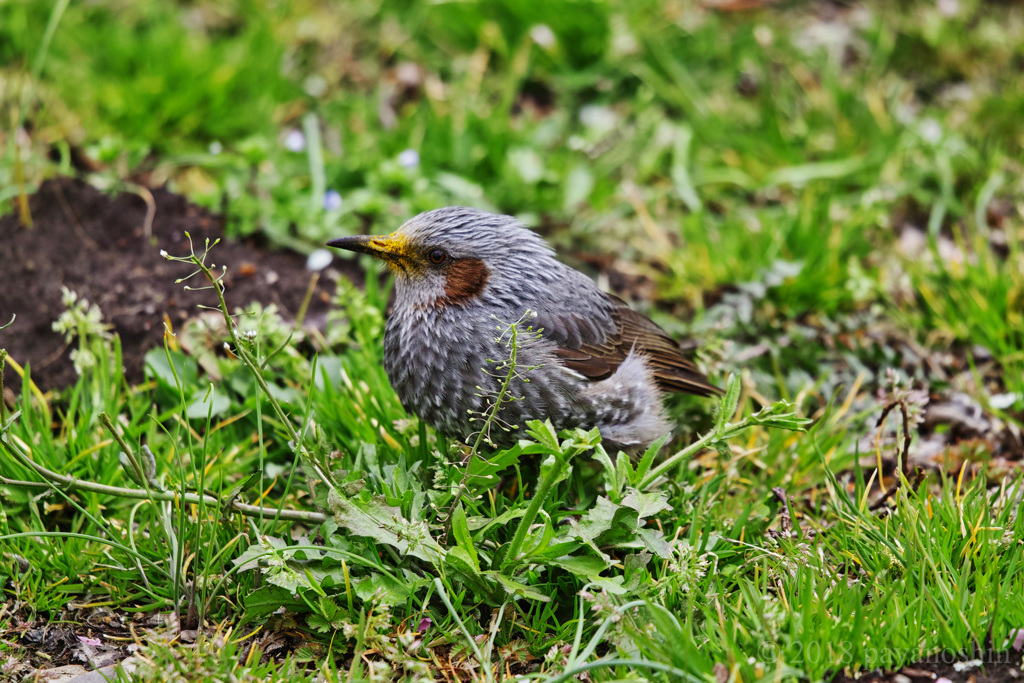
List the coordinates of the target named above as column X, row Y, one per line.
column 596, row 357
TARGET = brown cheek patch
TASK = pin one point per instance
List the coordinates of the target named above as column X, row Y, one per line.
column 466, row 280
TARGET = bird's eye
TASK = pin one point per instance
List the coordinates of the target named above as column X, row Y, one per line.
column 438, row 256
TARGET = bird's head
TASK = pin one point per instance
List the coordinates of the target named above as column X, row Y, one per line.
column 451, row 256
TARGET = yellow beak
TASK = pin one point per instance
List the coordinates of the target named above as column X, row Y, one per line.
column 392, row 249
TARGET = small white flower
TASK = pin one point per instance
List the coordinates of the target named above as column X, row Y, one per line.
column 598, row 118
column 931, row 131
column 82, row 359
column 1004, row 401
column 318, row 259
column 215, row 147
column 68, row 297
column 315, row 85
column 543, row 36
column 295, row 141
column 409, row 159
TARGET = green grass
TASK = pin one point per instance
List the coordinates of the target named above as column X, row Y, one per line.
column 766, row 183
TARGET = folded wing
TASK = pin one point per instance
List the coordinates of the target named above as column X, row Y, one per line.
column 595, row 348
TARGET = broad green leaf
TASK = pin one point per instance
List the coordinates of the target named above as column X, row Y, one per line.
column 655, row 541
column 484, row 525
column 646, row 504
column 158, row 366
column 460, row 529
column 589, row 568
column 543, row 433
column 383, row 523
column 214, row 403
column 513, row 587
column 382, row 588
column 598, row 519
column 268, row 599
column 259, row 553
column 579, row 183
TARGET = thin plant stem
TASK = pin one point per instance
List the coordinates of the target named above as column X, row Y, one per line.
column 554, row 474
column 142, row 494
column 492, row 416
column 683, row 455
column 484, row 668
column 243, row 353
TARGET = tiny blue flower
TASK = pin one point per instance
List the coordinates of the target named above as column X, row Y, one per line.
column 295, row 141
column 409, row 158
column 332, row 200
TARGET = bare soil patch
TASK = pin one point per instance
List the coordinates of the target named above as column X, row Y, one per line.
column 95, row 244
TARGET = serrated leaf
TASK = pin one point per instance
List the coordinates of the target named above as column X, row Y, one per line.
column 578, row 531
column 789, row 421
column 382, row 588
column 606, row 521
column 646, row 504
column 285, row 576
column 635, row 570
column 590, row 568
column 353, row 488
column 655, row 541
column 481, row 583
column 384, row 523
column 636, row 561
column 460, row 560
column 599, row 518
column 306, row 654
column 330, row 608
column 259, row 552
column 624, row 470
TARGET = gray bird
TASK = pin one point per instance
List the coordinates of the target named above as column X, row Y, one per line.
column 461, row 275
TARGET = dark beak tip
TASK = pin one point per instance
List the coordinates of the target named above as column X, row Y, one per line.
column 358, row 243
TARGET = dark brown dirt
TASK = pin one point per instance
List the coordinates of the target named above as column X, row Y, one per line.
column 93, row 244
column 991, row 667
